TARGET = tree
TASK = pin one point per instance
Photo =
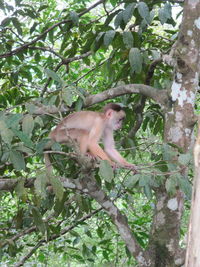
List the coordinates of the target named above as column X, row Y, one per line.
column 192, row 255
column 57, row 60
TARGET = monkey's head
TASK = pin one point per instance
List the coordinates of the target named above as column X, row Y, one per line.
column 114, row 115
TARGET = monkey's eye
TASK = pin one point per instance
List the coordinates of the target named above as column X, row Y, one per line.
column 120, row 120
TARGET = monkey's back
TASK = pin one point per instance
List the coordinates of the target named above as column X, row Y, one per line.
column 84, row 120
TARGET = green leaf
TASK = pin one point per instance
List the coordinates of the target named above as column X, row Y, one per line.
column 100, row 232
column 6, row 22
column 31, row 108
column 165, row 13
column 6, row 134
column 41, row 257
column 57, row 186
column 39, row 121
column 31, row 14
column 17, row 160
column 98, row 42
column 59, row 206
column 108, row 37
column 32, row 29
column 76, row 241
column 42, row 7
column 145, row 180
column 17, row 25
column 113, row 2
column 21, row 147
column 51, row 36
column 185, row 186
column 128, row 39
column 20, row 189
column 135, row 59
column 78, row 258
column 168, row 10
column 171, row 184
column 152, row 15
column 79, row 104
column 41, row 145
column 38, row 220
column 27, row 124
column 74, row 17
column 158, row 126
column 40, row 184
column 155, row 54
column 147, row 191
column 13, row 120
column 162, row 16
column 132, row 180
column 56, row 146
column 118, row 20
column 168, row 152
column 26, row 74
column 37, row 57
column 4, row 157
column 67, row 96
column 128, row 12
column 85, row 251
column 106, row 171
column 185, row 159
column 111, row 16
column 105, row 255
column 2, row 6
column 144, row 11
column 24, row 138
column 53, row 75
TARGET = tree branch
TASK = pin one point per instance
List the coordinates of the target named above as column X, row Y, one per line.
column 89, row 186
column 159, row 96
column 120, row 220
column 8, row 184
column 22, row 261
column 64, row 61
column 27, row 45
column 55, row 236
column 49, row 79
column 139, row 108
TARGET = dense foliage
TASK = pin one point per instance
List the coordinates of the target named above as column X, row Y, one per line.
column 53, row 55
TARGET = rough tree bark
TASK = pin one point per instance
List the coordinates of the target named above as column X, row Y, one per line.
column 193, row 246
column 179, row 124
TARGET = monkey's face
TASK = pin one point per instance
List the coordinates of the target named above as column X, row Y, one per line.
column 117, row 119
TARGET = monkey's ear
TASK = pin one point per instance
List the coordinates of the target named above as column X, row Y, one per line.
column 109, row 113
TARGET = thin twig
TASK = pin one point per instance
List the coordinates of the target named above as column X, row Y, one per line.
column 26, row 45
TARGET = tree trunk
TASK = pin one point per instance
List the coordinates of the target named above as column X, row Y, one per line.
column 179, row 124
column 193, row 246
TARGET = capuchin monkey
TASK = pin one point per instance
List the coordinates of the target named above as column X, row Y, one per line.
column 87, row 128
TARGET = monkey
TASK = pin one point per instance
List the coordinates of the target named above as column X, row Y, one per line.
column 86, row 128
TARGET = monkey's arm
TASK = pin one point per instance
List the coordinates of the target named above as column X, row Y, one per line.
column 98, row 152
column 109, row 147
column 93, row 139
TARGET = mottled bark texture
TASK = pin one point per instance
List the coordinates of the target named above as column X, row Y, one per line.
column 179, row 124
column 159, row 96
column 193, row 246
